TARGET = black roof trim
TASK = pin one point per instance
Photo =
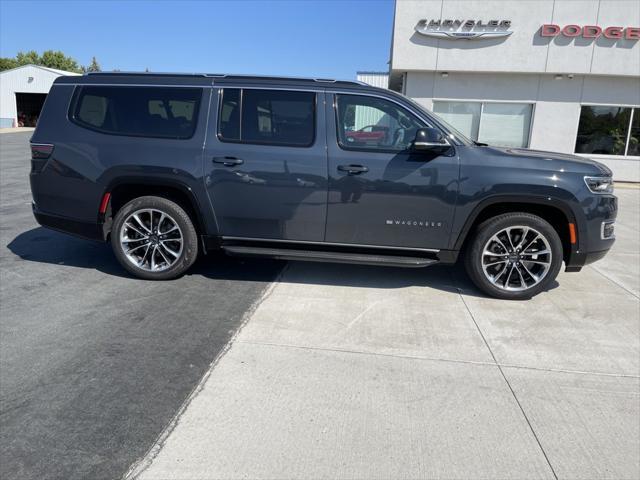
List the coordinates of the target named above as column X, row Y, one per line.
column 258, row 78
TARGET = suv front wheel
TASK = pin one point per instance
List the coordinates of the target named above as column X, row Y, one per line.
column 154, row 238
column 514, row 256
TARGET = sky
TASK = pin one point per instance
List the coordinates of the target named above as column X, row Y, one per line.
column 312, row 38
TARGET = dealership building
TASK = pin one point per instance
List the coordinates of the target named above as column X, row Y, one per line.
column 557, row 75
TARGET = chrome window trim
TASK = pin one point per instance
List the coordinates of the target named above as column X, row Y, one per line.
column 307, row 242
column 242, row 86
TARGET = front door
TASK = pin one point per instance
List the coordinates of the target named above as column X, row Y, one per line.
column 380, row 191
column 266, row 163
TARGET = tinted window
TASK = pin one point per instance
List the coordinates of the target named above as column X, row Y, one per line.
column 139, row 111
column 229, row 123
column 273, row 117
column 372, row 123
column 603, row 130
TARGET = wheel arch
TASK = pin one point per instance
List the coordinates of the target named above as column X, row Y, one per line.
column 124, row 190
column 557, row 212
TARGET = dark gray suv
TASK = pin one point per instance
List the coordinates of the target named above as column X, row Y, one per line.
column 164, row 166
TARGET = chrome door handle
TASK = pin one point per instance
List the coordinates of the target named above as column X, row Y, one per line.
column 353, row 169
column 228, row 161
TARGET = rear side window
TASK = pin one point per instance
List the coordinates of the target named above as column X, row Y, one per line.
column 270, row 117
column 165, row 112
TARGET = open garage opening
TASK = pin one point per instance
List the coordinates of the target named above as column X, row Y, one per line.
column 29, row 106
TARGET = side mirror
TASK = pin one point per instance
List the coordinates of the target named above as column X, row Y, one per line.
column 430, row 139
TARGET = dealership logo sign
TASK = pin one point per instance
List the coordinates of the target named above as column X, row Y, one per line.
column 590, row 31
column 464, row 29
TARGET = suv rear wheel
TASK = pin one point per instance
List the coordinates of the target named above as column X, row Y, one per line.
column 154, row 238
column 514, row 256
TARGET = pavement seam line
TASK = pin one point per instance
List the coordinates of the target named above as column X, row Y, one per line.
column 436, row 359
column 614, row 282
column 513, row 393
column 139, row 466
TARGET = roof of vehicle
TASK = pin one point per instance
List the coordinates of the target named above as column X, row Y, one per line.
column 203, row 79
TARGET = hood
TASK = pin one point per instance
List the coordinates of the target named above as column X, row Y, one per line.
column 559, row 160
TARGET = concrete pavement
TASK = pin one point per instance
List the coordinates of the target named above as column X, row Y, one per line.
column 364, row 372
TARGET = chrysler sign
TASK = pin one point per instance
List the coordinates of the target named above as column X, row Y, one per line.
column 456, row 29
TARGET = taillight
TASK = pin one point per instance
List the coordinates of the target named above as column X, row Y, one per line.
column 41, row 151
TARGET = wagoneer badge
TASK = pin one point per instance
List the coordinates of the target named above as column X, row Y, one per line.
column 466, row 29
column 414, row 223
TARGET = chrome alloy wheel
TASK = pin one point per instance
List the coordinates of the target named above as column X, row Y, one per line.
column 151, row 240
column 516, row 258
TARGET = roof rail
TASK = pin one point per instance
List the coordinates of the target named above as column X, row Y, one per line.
column 230, row 76
column 285, row 78
column 152, row 74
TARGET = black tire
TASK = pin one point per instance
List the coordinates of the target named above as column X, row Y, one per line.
column 181, row 263
column 486, row 231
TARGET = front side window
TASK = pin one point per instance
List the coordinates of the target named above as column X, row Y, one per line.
column 166, row 112
column 501, row 124
column 270, row 117
column 608, row 130
column 372, row 123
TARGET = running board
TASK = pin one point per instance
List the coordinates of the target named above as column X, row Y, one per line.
column 324, row 256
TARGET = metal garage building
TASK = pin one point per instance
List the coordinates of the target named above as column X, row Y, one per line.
column 22, row 93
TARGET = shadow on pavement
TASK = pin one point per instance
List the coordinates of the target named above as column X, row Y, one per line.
column 48, row 246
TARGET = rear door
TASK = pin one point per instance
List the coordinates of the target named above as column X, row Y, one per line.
column 381, row 193
column 266, row 163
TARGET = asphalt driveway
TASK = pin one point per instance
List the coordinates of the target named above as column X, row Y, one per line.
column 94, row 363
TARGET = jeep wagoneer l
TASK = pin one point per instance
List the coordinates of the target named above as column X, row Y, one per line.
column 164, row 166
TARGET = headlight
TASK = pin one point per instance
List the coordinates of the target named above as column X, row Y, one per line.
column 599, row 184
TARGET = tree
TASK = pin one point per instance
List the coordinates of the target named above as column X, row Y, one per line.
column 27, row 58
column 94, row 66
column 49, row 58
column 58, row 60
column 7, row 63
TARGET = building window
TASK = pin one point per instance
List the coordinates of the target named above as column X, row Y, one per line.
column 606, row 130
column 502, row 124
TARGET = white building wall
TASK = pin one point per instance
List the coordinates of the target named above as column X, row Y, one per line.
column 26, row 79
column 556, row 104
column 375, row 79
column 524, row 51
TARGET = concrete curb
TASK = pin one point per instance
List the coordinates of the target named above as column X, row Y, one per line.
column 17, row 130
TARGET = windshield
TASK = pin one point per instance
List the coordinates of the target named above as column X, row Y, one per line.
column 445, row 125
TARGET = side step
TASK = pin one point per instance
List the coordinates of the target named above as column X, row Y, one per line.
column 324, row 256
